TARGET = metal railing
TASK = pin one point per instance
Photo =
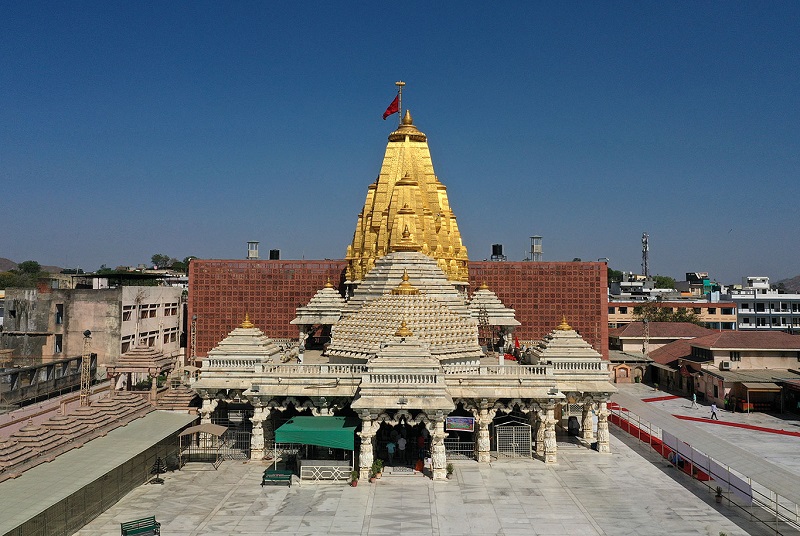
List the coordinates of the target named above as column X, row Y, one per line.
column 775, row 509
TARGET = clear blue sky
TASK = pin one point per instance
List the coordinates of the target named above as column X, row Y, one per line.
column 188, row 128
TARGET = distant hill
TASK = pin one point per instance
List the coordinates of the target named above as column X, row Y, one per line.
column 8, row 264
column 792, row 285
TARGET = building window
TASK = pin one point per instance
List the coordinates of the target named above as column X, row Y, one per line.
column 736, row 356
column 127, row 311
column 59, row 346
column 170, row 309
column 744, row 306
column 746, row 320
column 716, row 392
column 126, row 343
column 776, row 321
column 761, row 322
column 148, row 311
column 712, row 310
column 612, row 310
column 623, row 310
column 697, row 310
column 760, row 307
column 59, row 313
column 727, row 310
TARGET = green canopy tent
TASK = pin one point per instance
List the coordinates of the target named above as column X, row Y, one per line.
column 327, row 431
column 333, row 432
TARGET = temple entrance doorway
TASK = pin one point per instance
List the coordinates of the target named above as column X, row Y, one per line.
column 235, row 443
column 513, row 438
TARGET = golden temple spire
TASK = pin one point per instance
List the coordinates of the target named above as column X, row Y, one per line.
column 483, row 286
column 247, row 324
column 407, row 194
column 563, row 326
column 328, row 283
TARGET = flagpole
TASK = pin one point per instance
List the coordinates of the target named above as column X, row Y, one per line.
column 400, row 85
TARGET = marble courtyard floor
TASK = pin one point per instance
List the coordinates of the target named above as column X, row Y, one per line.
column 586, row 493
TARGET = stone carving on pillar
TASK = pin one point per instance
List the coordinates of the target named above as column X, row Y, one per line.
column 587, row 424
column 483, row 418
column 366, row 434
column 438, row 454
column 540, row 433
column 603, row 438
column 549, row 424
column 209, row 405
column 260, row 414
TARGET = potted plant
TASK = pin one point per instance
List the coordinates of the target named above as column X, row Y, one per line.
column 449, row 469
column 718, row 495
column 354, row 478
column 377, row 468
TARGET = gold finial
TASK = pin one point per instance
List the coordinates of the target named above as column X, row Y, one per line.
column 405, row 288
column 483, row 286
column 406, row 236
column 247, row 324
column 407, row 120
column 328, row 284
column 403, row 331
column 563, row 326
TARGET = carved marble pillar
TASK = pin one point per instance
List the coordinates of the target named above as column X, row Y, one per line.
column 540, row 433
column 365, row 457
column 587, row 424
column 603, row 437
column 438, row 455
column 549, row 424
column 260, row 414
column 208, row 407
column 483, row 418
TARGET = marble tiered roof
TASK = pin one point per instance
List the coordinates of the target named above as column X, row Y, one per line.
column 143, row 359
column 235, row 357
column 497, row 313
column 564, row 344
column 325, row 307
column 246, row 341
column 423, row 271
column 451, row 337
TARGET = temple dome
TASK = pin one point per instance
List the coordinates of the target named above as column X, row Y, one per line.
column 497, row 314
column 451, row 337
column 423, row 271
column 564, row 344
column 325, row 307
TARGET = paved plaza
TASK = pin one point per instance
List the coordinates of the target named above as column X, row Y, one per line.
column 586, row 493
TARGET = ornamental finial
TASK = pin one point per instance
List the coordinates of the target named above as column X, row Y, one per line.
column 403, row 331
column 563, row 326
column 247, row 324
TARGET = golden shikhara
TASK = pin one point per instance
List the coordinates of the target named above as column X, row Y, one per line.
column 407, row 210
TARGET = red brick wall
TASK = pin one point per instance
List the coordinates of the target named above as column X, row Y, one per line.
column 221, row 292
column 544, row 292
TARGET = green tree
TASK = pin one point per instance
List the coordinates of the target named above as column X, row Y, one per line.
column 654, row 313
column 663, row 281
column 614, row 276
column 161, row 260
column 104, row 269
column 29, row 267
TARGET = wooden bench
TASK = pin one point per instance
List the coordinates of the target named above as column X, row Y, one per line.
column 146, row 525
column 277, row 475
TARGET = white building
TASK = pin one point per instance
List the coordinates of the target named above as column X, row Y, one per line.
column 760, row 307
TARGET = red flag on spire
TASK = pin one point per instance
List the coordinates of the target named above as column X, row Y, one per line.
column 393, row 108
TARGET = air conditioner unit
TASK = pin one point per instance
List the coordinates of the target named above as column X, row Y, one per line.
column 724, row 365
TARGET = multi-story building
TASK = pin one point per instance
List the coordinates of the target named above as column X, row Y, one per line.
column 759, row 307
column 713, row 315
column 46, row 324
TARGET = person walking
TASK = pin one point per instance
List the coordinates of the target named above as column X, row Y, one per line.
column 714, row 412
column 694, row 400
column 390, row 448
column 401, row 449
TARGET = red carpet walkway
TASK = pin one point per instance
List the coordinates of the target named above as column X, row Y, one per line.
column 660, row 398
column 738, row 425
